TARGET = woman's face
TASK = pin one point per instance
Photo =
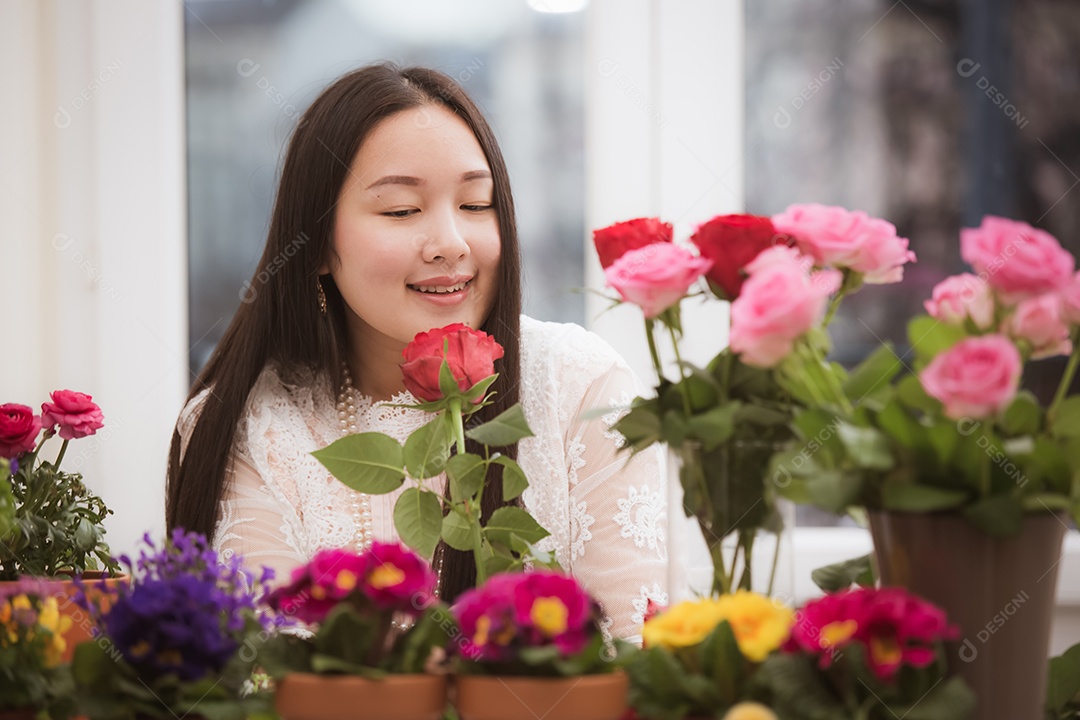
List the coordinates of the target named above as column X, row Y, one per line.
column 415, row 233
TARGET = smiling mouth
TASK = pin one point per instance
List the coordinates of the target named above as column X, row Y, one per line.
column 441, row 289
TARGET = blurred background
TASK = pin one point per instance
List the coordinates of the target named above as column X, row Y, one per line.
column 142, row 141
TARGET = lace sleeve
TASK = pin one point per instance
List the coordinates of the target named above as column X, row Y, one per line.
column 252, row 523
column 618, row 506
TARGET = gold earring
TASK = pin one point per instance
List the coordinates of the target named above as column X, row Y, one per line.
column 322, row 296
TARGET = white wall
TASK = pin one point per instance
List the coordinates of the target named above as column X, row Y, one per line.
column 92, row 211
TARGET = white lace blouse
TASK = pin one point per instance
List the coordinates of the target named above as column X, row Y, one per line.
column 605, row 510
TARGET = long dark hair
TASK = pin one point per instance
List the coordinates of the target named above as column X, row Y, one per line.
column 280, row 320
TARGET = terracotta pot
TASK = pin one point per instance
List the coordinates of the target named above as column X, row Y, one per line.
column 999, row 591
column 302, row 696
column 64, row 590
column 588, row 697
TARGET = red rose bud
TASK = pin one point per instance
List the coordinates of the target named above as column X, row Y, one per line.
column 732, row 242
column 74, row 412
column 615, row 240
column 19, row 428
column 471, row 355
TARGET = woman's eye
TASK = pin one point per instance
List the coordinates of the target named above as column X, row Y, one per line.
column 476, row 208
column 400, row 213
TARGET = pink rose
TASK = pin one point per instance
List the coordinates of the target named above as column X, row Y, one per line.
column 960, row 297
column 1071, row 301
column 1016, row 258
column 780, row 255
column 74, row 412
column 840, row 238
column 19, row 428
column 655, row 277
column 1038, row 321
column 777, row 305
column 976, row 378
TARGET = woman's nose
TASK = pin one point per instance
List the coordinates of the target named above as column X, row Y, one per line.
column 445, row 239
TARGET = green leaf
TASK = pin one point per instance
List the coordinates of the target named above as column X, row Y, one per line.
column 509, row 521
column 1023, row 416
column 999, row 515
column 466, row 473
column 834, row 490
column 513, row 478
column 1066, row 420
column 504, row 429
column 499, row 564
column 427, row 449
column 841, row 575
column 895, row 422
column 866, row 447
column 912, row 497
column 1064, row 682
column 370, row 462
column 721, row 661
column 457, row 531
column 641, row 426
column 478, row 390
column 910, row 392
column 448, row 384
column 715, row 426
column 873, row 372
column 950, row 699
column 7, row 502
column 929, row 336
column 418, row 519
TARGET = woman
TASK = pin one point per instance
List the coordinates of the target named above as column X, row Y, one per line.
column 393, row 216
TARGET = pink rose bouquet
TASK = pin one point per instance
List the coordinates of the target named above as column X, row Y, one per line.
column 356, row 603
column 538, row 623
column 879, row 649
column 958, row 433
column 50, row 522
column 784, row 278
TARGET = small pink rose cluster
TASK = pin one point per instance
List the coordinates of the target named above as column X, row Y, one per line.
column 893, row 627
column 521, row 610
column 778, row 292
column 386, row 578
column 70, row 415
column 1024, row 302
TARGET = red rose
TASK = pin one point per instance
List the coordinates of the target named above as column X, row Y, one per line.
column 74, row 412
column 19, row 428
column 614, row 241
column 471, row 355
column 732, row 242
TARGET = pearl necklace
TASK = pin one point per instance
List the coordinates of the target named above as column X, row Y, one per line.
column 361, row 504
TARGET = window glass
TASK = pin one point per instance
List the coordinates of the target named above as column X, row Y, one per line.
column 930, row 114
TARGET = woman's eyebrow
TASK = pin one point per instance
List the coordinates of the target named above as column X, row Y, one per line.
column 415, row 181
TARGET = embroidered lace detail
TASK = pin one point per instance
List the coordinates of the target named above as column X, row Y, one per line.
column 575, row 453
column 641, row 517
column 641, row 603
column 620, row 407
column 580, row 522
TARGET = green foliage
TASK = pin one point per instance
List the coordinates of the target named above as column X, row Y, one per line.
column 376, row 464
column 844, row 574
column 108, row 688
column 798, row 690
column 1063, row 686
column 704, row 680
column 57, row 525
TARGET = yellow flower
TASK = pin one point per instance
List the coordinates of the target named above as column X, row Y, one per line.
column 345, row 580
column 749, row 711
column 549, row 614
column 50, row 619
column 760, row 624
column 386, row 575
column 683, row 625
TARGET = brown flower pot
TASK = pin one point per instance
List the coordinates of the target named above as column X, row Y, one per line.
column 64, row 590
column 999, row 591
column 588, row 697
column 302, row 696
